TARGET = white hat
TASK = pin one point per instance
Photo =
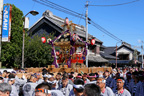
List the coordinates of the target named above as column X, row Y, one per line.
column 49, row 76
column 45, row 75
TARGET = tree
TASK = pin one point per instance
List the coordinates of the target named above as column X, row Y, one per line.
column 37, row 54
column 11, row 51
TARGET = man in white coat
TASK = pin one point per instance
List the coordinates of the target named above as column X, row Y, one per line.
column 105, row 91
column 65, row 88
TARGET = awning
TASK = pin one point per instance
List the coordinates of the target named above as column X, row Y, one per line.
column 96, row 58
column 120, row 61
column 123, row 53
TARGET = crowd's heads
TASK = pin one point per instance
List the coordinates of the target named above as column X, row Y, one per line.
column 92, row 76
column 124, row 69
column 117, row 75
column 120, row 82
column 106, row 73
column 79, row 76
column 11, row 79
column 5, row 89
column 135, row 75
column 78, row 85
column 140, row 75
column 84, row 77
column 92, row 90
column 5, row 71
column 33, row 78
column 43, row 89
column 65, row 81
column 1, row 79
column 45, row 78
column 38, row 75
column 0, row 73
column 101, row 82
column 128, row 75
column 58, row 76
column 50, row 77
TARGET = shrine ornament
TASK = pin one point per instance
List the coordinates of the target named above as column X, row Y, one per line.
column 43, row 39
column 92, row 41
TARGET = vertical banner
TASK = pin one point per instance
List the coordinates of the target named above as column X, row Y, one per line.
column 6, row 27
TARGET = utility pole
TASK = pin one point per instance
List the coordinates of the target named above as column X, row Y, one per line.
column 87, row 32
column 142, row 53
column 1, row 12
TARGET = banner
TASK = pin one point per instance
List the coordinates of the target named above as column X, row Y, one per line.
column 6, row 27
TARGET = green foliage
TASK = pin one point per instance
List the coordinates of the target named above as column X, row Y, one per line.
column 37, row 54
column 11, row 51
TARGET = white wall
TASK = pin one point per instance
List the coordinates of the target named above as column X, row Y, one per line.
column 125, row 51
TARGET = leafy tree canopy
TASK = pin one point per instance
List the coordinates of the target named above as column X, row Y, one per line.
column 11, row 51
column 36, row 53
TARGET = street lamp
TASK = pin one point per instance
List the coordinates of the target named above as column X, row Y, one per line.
column 142, row 52
column 116, row 51
column 34, row 13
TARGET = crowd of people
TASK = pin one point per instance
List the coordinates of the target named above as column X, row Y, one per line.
column 118, row 82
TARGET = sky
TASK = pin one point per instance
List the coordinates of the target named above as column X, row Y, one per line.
column 125, row 21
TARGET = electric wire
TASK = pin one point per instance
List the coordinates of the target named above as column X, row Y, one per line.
column 105, row 31
column 102, row 30
column 59, row 9
column 116, row 4
column 70, row 12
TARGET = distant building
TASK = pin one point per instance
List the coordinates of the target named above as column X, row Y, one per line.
column 126, row 56
column 140, row 59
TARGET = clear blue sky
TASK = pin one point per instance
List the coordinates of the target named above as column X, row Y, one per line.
column 125, row 21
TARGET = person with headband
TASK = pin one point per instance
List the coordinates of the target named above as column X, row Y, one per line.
column 19, row 82
column 65, row 88
column 39, row 80
column 78, row 88
column 124, row 72
column 11, row 81
column 120, row 91
column 79, row 76
column 54, row 91
column 105, row 91
column 92, row 78
column 107, row 78
column 113, row 82
column 85, row 79
column 58, row 79
column 43, row 89
column 29, row 87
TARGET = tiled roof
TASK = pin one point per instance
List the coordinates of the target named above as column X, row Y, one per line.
column 107, row 56
column 96, row 58
column 108, row 53
column 80, row 30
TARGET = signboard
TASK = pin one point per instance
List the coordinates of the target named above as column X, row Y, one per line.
column 6, row 27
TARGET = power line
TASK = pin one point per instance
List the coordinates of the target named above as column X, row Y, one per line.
column 73, row 13
column 58, row 8
column 116, row 4
column 105, row 31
